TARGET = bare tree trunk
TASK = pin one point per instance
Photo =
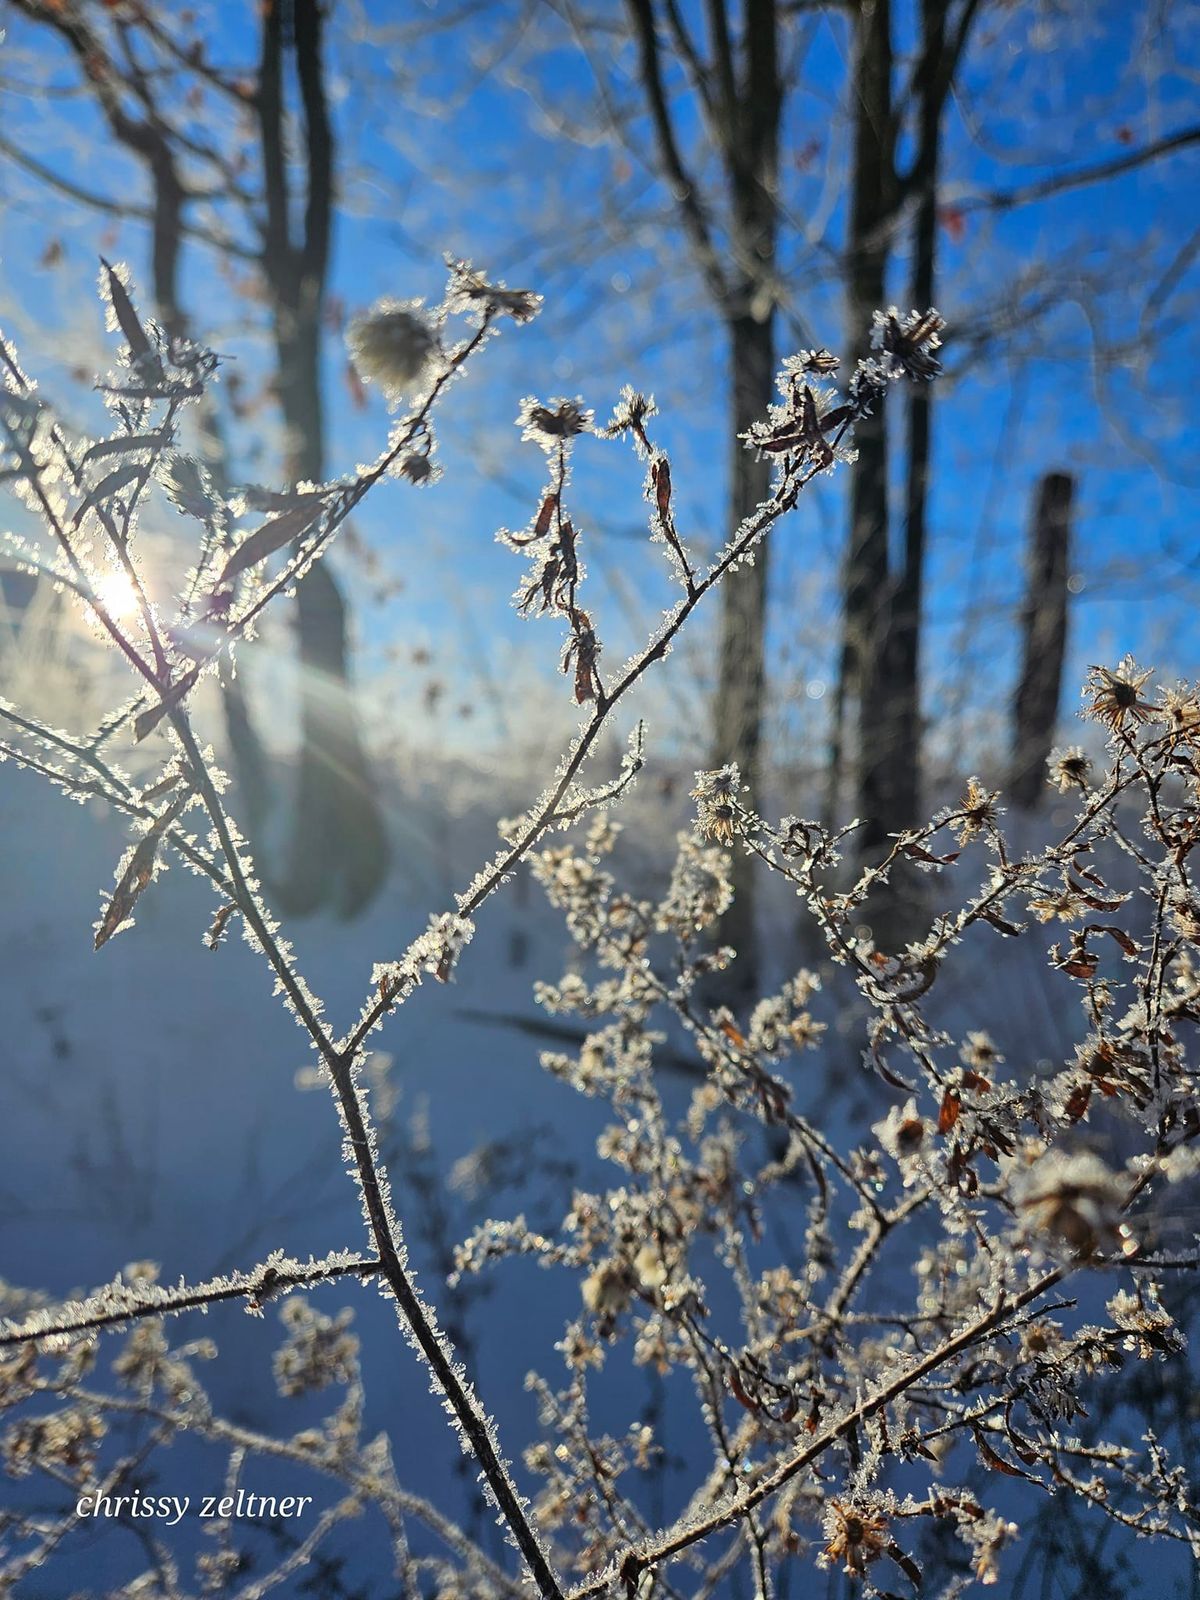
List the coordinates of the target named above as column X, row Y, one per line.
column 866, row 594
column 742, row 93
column 1044, row 638
column 749, row 124
column 146, row 136
column 904, row 642
column 338, row 849
column 741, row 675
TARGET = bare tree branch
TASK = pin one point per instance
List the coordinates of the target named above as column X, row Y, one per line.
column 1080, row 177
column 691, row 207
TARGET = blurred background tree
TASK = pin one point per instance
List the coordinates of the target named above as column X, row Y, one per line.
column 223, row 139
column 710, row 186
column 730, row 107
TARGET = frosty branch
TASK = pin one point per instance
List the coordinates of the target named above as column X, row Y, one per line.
column 73, row 489
column 830, row 1396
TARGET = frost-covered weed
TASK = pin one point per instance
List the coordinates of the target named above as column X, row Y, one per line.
column 854, row 1418
column 924, row 1316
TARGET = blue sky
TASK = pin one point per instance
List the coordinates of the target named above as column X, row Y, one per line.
column 430, row 165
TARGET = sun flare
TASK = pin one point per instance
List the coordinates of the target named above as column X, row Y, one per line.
column 116, row 593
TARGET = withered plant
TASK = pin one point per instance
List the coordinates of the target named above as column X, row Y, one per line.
column 967, row 1268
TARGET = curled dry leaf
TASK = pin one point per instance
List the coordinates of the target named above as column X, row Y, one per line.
column 139, row 870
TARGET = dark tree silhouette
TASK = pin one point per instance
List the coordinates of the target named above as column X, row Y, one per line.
column 1044, row 638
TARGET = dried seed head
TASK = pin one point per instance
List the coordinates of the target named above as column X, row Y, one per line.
column 549, row 425
column 979, row 812
column 1076, row 1198
column 1069, row 768
column 855, row 1538
column 823, row 361
column 469, row 292
column 416, row 468
column 1116, row 694
column 1180, row 708
column 909, row 343
column 716, row 803
column 393, row 345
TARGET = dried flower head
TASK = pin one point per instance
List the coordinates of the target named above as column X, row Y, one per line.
column 63, row 1443
column 393, row 345
column 1116, row 694
column 632, row 411
column 1064, row 903
column 979, row 1052
column 805, row 1031
column 811, row 426
column 1183, row 911
column 978, row 812
column 607, row 1290
column 417, row 468
column 867, row 386
column 1069, row 768
column 906, row 1136
column 549, row 425
column 1150, row 1329
column 908, row 343
column 1180, row 707
column 855, row 1537
column 987, row 1534
column 471, row 293
column 318, row 1351
column 716, row 796
column 1077, row 1198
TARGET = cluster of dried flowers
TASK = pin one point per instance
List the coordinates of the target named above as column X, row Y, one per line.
column 894, row 1334
column 973, row 1263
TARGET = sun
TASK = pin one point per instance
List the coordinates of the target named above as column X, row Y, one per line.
column 117, row 594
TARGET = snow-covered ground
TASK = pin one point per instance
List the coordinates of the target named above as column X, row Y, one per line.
column 151, row 1110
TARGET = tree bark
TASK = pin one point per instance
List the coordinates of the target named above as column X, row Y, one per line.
column 1044, row 638
column 741, row 95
